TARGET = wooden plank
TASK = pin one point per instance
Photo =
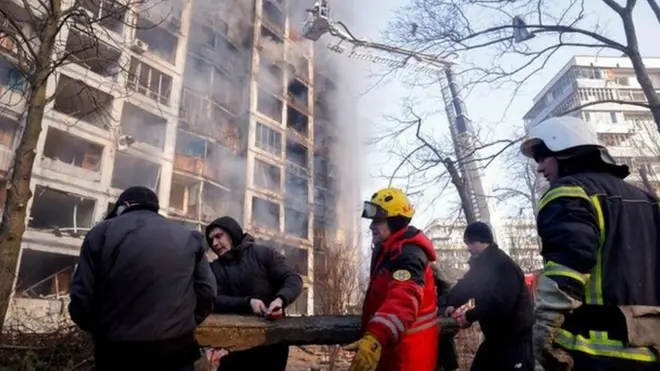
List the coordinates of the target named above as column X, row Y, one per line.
column 244, row 332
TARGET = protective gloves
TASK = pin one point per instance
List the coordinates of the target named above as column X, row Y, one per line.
column 368, row 353
column 552, row 304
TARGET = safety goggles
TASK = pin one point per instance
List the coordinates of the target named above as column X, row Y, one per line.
column 372, row 211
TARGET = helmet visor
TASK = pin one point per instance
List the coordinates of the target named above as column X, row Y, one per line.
column 372, row 211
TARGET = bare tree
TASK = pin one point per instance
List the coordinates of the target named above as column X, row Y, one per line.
column 430, row 165
column 520, row 37
column 39, row 40
column 524, row 243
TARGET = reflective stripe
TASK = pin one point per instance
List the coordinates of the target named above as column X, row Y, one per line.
column 598, row 343
column 391, row 321
column 603, row 347
column 424, row 322
column 555, row 269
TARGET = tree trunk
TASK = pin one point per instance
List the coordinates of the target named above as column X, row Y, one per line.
column 236, row 333
column 639, row 67
column 457, row 181
column 18, row 194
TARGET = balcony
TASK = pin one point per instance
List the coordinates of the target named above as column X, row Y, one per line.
column 212, row 48
column 8, row 129
column 109, row 14
column 162, row 38
column 143, row 126
column 271, row 45
column 297, row 158
column 267, row 176
column 200, row 115
column 298, row 94
column 55, row 210
column 82, row 103
column 270, row 77
column 93, row 55
column 273, row 17
column 270, row 105
column 296, row 223
column 149, row 81
column 132, row 170
column 296, row 190
column 12, row 95
column 197, row 156
column 65, row 153
column 265, row 214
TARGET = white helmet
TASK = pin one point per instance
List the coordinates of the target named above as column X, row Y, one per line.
column 559, row 134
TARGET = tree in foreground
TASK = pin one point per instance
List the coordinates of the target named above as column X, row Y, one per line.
column 520, row 38
column 38, row 39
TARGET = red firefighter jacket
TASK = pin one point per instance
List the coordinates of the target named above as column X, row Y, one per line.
column 400, row 307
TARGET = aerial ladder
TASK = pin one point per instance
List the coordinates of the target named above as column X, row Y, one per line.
column 320, row 22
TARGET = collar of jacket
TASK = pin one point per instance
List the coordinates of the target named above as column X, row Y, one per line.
column 484, row 256
column 237, row 251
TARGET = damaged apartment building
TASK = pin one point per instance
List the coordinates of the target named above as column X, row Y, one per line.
column 211, row 104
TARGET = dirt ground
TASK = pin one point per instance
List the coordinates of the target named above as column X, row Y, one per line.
column 314, row 358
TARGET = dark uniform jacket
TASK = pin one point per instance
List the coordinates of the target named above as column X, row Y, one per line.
column 259, row 272
column 141, row 287
column 597, row 224
column 503, row 306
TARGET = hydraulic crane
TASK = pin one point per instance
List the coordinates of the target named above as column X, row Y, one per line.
column 320, row 22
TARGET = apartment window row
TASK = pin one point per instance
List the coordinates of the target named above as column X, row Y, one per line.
column 266, row 214
column 601, row 117
column 268, row 176
column 615, row 140
column 594, row 94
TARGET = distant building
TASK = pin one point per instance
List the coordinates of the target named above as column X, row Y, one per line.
column 518, row 237
column 628, row 131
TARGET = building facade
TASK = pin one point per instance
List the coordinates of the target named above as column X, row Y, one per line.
column 628, row 131
column 518, row 238
column 218, row 107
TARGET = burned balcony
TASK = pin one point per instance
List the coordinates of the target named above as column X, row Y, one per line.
column 270, row 105
column 296, row 223
column 297, row 121
column 265, row 214
column 267, row 176
column 94, row 55
column 202, row 116
column 44, row 275
column 268, row 139
column 197, row 156
column 273, row 17
column 135, row 171
column 185, row 197
column 270, row 76
column 298, row 95
column 296, row 190
column 161, row 41
column 76, row 99
column 143, row 126
column 64, row 152
column 298, row 258
column 297, row 158
column 8, row 129
column 108, row 13
column 61, row 212
column 271, row 45
column 149, row 81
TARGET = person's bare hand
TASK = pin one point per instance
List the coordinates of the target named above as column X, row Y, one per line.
column 258, row 307
column 275, row 309
column 462, row 320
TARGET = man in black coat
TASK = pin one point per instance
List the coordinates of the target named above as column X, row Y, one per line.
column 252, row 279
column 141, row 287
column 503, row 306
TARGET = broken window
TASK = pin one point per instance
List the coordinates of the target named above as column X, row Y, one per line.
column 297, row 189
column 149, row 81
column 143, row 126
column 271, row 45
column 78, row 100
column 198, row 75
column 161, row 42
column 63, row 150
column 297, row 121
column 53, row 208
column 185, row 196
column 273, row 17
column 213, row 47
column 268, row 139
column 298, row 258
column 216, row 163
column 44, row 274
column 267, row 176
column 298, row 94
column 299, row 64
column 296, row 155
column 93, row 54
column 215, row 202
column 270, row 76
column 189, row 153
column 265, row 213
column 269, row 105
column 131, row 171
column 222, row 89
column 296, row 223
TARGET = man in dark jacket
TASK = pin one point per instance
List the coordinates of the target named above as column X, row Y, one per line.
column 503, row 306
column 252, row 279
column 141, row 287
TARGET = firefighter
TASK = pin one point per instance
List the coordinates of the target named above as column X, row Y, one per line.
column 400, row 315
column 598, row 299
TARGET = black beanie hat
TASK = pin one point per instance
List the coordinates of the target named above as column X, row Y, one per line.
column 478, row 232
column 229, row 225
column 143, row 198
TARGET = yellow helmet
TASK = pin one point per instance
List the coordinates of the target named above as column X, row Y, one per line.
column 386, row 203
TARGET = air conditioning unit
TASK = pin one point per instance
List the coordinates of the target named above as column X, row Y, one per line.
column 139, row 46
